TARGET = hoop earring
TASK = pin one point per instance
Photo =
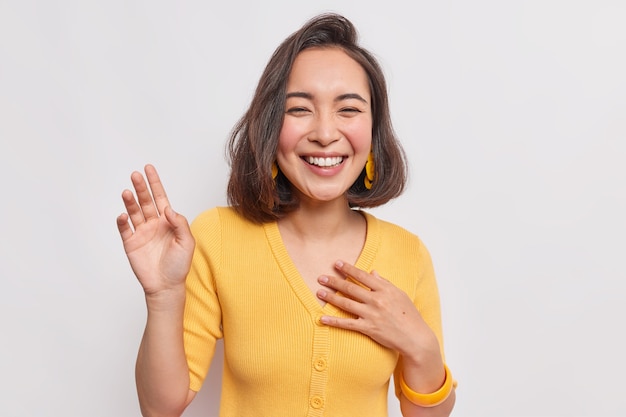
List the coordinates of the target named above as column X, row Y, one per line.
column 274, row 170
column 369, row 171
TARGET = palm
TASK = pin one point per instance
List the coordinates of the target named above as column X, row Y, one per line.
column 160, row 246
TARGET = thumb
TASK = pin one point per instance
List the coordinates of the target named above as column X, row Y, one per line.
column 179, row 223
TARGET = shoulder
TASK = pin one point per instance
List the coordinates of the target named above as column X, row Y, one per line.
column 219, row 232
column 398, row 243
column 223, row 220
column 392, row 232
column 219, row 215
column 215, row 213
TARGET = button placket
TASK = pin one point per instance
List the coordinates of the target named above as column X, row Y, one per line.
column 319, row 365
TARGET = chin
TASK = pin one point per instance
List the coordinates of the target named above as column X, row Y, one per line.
column 326, row 197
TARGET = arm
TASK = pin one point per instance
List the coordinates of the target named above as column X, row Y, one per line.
column 159, row 247
column 161, row 371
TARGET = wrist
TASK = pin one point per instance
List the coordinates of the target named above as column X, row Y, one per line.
column 422, row 353
column 423, row 368
column 432, row 398
column 166, row 300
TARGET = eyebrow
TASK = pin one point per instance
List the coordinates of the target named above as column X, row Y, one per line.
column 309, row 96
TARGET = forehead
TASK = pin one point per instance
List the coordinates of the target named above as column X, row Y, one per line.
column 327, row 68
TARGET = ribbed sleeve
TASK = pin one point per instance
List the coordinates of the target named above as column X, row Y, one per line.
column 202, row 319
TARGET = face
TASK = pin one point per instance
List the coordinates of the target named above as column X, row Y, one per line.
column 327, row 130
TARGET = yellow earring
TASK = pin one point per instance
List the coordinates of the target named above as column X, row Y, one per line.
column 274, row 170
column 369, row 171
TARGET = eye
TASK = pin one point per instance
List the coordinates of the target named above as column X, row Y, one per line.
column 350, row 111
column 297, row 110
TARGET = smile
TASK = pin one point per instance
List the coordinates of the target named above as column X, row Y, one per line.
column 324, row 162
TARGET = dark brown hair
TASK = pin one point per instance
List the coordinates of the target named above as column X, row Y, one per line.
column 254, row 139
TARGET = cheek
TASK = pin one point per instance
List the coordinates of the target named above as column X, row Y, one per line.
column 361, row 136
column 288, row 136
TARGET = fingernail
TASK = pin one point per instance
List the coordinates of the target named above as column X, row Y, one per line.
column 339, row 264
column 323, row 279
column 321, row 294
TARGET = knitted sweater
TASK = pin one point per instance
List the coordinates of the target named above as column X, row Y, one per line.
column 279, row 360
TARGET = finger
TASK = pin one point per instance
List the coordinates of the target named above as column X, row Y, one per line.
column 372, row 281
column 158, row 191
column 123, row 227
column 343, row 323
column 144, row 197
column 132, row 208
column 347, row 288
column 343, row 302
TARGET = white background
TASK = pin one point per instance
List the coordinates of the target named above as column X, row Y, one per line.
column 513, row 116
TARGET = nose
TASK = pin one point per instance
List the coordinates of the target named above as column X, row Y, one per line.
column 325, row 130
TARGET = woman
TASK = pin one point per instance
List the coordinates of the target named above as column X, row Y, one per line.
column 318, row 302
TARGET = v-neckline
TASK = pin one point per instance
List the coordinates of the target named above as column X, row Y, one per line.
column 295, row 279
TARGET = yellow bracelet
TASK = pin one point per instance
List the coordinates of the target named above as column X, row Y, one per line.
column 432, row 399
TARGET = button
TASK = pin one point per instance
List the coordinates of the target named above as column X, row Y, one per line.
column 318, row 320
column 320, row 364
column 317, row 402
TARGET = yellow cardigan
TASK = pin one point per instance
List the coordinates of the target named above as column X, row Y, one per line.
column 279, row 360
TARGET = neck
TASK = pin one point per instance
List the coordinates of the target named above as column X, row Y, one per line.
column 321, row 220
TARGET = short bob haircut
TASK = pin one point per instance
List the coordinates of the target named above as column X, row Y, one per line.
column 254, row 139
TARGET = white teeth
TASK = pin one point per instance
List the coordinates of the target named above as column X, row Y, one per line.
column 324, row 162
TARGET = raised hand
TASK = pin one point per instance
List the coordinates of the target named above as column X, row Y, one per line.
column 157, row 240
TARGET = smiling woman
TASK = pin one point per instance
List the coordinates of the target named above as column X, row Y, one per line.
column 319, row 302
column 254, row 142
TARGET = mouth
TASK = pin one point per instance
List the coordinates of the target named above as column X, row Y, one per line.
column 328, row 162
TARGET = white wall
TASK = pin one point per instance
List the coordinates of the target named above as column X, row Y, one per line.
column 512, row 113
